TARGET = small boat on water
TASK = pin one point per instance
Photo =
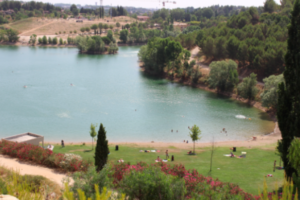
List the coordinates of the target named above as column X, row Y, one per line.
column 25, row 86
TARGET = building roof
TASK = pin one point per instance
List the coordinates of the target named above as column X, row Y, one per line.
column 23, row 137
column 142, row 17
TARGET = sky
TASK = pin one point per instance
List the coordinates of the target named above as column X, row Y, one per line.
column 158, row 4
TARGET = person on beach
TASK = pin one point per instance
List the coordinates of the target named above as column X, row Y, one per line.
column 167, row 154
column 62, row 143
column 187, row 141
column 184, row 141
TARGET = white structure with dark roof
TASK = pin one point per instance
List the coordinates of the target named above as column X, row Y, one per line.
column 29, row 138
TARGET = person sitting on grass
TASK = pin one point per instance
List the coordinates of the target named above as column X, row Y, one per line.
column 190, row 152
column 121, row 160
column 158, row 159
column 231, row 155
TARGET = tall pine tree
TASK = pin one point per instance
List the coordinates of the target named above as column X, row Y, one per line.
column 101, row 152
column 288, row 113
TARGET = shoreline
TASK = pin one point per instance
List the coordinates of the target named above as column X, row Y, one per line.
column 202, row 86
column 261, row 140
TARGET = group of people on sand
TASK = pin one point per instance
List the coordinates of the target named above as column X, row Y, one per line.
column 185, row 141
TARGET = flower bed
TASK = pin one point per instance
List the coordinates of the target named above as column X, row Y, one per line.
column 42, row 156
column 195, row 183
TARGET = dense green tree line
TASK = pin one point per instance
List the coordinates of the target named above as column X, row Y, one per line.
column 32, row 5
column 261, row 46
column 118, row 11
column 29, row 9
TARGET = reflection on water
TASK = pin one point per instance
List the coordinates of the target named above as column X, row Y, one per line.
column 68, row 91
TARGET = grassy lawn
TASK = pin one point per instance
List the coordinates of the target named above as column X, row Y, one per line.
column 247, row 172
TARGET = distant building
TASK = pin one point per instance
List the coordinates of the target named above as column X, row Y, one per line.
column 142, row 18
column 8, row 12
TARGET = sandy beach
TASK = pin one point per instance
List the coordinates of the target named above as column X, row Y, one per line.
column 260, row 141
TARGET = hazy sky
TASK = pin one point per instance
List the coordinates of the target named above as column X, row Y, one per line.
column 156, row 4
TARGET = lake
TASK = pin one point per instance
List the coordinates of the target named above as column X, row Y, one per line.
column 66, row 92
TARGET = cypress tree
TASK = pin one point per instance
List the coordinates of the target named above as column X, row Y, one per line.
column 288, row 112
column 101, row 152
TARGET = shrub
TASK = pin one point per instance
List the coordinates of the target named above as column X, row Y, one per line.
column 42, row 156
column 193, row 181
column 151, row 183
column 28, row 186
column 85, row 181
column 98, row 196
column 3, row 188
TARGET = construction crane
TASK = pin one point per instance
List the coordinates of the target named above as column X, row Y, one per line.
column 164, row 3
column 159, row 2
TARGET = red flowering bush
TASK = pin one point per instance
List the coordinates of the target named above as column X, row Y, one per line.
column 42, row 156
column 195, row 183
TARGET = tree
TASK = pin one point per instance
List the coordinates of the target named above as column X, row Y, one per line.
column 105, row 26
column 61, row 41
column 32, row 39
column 54, row 41
column 113, row 48
column 74, row 10
column 195, row 134
column 232, row 47
column 44, row 40
column 124, row 35
column 94, row 27
column 100, row 25
column 269, row 97
column 270, row 6
column 3, row 20
column 49, row 40
column 82, row 29
column 101, row 152
column 223, row 75
column 110, row 35
column 247, row 89
column 93, row 134
column 87, row 29
column 12, row 35
column 288, row 96
column 118, row 24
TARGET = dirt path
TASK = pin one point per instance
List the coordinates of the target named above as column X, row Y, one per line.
column 30, row 169
column 36, row 28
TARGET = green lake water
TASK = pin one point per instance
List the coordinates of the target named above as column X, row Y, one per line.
column 66, row 92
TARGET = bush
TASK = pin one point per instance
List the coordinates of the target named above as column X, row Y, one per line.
column 42, row 156
column 27, row 186
column 151, row 183
column 192, row 180
column 85, row 181
column 3, row 188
